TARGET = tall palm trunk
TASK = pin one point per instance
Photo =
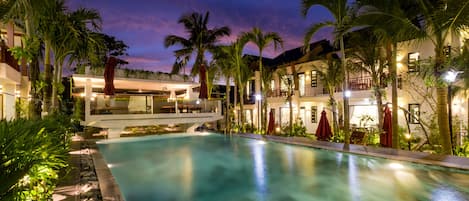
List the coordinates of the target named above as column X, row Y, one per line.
column 47, row 77
column 241, row 107
column 227, row 104
column 335, row 122
column 441, row 98
column 391, row 57
column 35, row 103
column 55, row 85
column 346, row 99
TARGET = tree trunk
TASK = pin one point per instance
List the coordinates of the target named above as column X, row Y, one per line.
column 227, row 103
column 391, row 54
column 335, row 121
column 47, row 79
column 241, row 107
column 55, row 90
column 346, row 99
column 443, row 124
column 379, row 106
column 35, row 103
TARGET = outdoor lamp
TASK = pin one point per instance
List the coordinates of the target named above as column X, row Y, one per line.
column 450, row 76
column 258, row 97
column 408, row 137
column 348, row 93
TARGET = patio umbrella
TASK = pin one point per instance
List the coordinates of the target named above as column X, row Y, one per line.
column 386, row 138
column 109, row 76
column 203, row 94
column 324, row 129
column 270, row 128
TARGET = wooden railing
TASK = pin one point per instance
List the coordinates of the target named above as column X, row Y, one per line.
column 7, row 57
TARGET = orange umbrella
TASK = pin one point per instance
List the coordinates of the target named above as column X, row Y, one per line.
column 386, row 138
column 109, row 76
column 270, row 128
column 324, row 131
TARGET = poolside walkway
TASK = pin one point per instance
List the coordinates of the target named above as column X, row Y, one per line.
column 389, row 153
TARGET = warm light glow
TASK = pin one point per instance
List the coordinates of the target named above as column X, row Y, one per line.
column 396, row 166
column 277, row 129
column 94, row 94
column 197, row 102
column 348, row 93
column 450, row 76
column 82, row 94
column 408, row 136
column 258, row 97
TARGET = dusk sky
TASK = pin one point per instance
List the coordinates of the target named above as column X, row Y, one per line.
column 143, row 24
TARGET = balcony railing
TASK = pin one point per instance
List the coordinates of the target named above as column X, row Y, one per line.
column 100, row 105
column 7, row 57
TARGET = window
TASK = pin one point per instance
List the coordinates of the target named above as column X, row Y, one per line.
column 303, row 115
column 272, row 85
column 301, row 81
column 285, row 82
column 314, row 114
column 284, row 115
column 412, row 62
column 414, row 113
column 314, row 78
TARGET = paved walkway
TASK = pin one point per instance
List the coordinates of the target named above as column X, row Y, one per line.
column 81, row 183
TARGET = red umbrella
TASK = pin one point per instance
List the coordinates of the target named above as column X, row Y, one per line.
column 270, row 128
column 386, row 138
column 324, row 131
column 109, row 76
column 203, row 94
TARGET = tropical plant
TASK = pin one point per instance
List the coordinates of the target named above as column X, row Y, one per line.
column 341, row 11
column 392, row 21
column 74, row 39
column 367, row 55
column 262, row 40
column 223, row 61
column 200, row 40
column 32, row 154
column 331, row 77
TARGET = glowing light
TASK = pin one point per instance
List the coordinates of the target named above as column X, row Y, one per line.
column 94, row 95
column 277, row 129
column 450, row 76
column 348, row 93
column 396, row 166
column 197, row 102
column 408, row 136
column 82, row 94
column 261, row 142
column 258, row 97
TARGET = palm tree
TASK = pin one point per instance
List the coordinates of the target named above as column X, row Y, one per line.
column 340, row 10
column 331, row 77
column 262, row 40
column 243, row 74
column 367, row 51
column 392, row 21
column 200, row 40
column 442, row 19
column 73, row 38
column 222, row 60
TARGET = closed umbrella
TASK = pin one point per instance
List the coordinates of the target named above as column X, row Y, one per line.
column 109, row 76
column 270, row 128
column 203, row 94
column 324, row 131
column 386, row 137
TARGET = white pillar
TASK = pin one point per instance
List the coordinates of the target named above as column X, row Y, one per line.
column 258, row 82
column 9, row 94
column 88, row 94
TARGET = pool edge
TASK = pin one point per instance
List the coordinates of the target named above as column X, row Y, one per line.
column 110, row 190
column 388, row 153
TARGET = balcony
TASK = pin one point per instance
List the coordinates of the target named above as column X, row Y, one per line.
column 7, row 57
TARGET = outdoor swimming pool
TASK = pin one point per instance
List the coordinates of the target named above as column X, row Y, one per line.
column 216, row 167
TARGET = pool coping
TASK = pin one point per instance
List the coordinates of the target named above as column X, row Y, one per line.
column 388, row 153
column 110, row 190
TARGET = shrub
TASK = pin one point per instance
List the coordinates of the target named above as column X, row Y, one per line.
column 32, row 152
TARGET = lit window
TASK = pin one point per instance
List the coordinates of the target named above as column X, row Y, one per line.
column 314, row 114
column 412, row 62
column 301, row 80
column 314, row 78
column 414, row 113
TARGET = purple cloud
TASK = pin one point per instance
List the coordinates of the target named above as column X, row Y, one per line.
column 143, row 25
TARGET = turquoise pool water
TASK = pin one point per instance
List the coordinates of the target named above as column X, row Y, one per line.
column 219, row 168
